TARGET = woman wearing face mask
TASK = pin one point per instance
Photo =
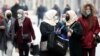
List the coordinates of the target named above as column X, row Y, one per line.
column 74, row 32
column 91, row 27
column 10, row 33
column 46, row 28
column 24, row 31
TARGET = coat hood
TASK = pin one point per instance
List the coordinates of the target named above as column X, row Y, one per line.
column 7, row 12
column 73, row 17
column 49, row 17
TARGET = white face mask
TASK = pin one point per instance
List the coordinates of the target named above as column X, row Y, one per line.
column 19, row 16
column 56, row 17
column 88, row 12
column 63, row 20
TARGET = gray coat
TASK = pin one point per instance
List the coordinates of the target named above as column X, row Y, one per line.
column 11, row 34
column 2, row 37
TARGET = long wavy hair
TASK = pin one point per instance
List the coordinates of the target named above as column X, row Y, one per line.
column 91, row 22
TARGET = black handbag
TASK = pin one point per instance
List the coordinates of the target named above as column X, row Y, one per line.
column 25, row 36
column 97, row 39
column 57, row 44
column 34, row 49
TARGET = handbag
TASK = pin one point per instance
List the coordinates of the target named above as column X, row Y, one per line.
column 34, row 49
column 97, row 38
column 25, row 36
column 43, row 46
column 58, row 44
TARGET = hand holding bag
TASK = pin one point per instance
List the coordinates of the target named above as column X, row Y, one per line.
column 97, row 38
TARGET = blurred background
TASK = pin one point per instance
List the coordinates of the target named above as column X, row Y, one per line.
column 33, row 4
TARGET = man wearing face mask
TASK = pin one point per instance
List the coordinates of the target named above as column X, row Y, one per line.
column 24, row 31
column 10, row 33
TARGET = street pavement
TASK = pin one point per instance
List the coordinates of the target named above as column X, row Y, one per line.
column 15, row 53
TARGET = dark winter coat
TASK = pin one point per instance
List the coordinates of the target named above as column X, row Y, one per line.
column 58, row 10
column 2, row 35
column 40, row 12
column 46, row 29
column 14, row 10
column 11, row 34
column 75, row 40
column 16, row 7
column 26, row 29
column 88, row 41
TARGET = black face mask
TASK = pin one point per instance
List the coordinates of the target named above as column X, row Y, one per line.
column 9, row 16
column 67, row 18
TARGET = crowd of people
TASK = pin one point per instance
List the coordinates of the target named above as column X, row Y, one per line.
column 16, row 30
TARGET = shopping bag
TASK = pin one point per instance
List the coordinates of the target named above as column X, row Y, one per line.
column 43, row 46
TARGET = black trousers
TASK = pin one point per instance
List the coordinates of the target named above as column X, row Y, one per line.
column 23, row 49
